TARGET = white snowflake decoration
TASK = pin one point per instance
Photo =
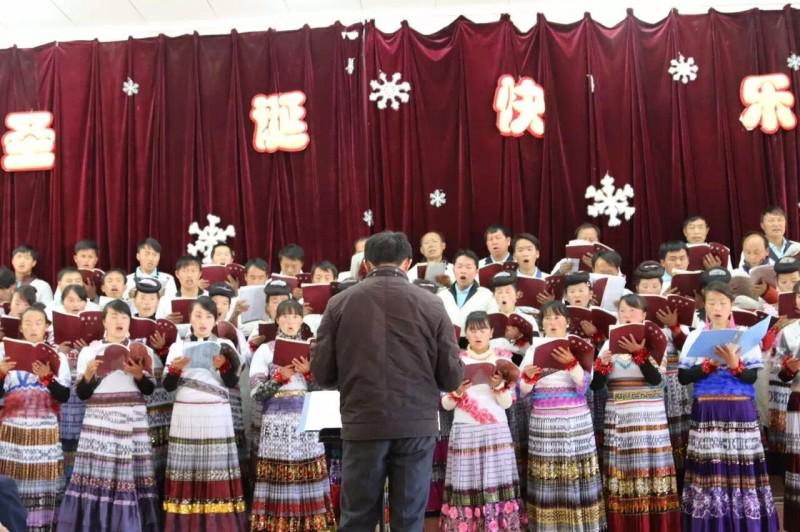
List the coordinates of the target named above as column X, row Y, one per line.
column 352, row 35
column 683, row 69
column 367, row 217
column 793, row 62
column 389, row 91
column 208, row 236
column 610, row 201
column 438, row 198
column 351, row 65
column 130, row 87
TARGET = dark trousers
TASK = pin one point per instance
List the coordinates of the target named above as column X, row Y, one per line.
column 407, row 462
column 12, row 512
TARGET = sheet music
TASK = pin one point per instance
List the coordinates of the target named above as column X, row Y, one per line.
column 254, row 295
column 202, row 355
column 320, row 411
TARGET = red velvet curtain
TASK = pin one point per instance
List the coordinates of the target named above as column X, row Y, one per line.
column 150, row 164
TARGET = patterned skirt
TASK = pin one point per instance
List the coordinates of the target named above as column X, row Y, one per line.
column 792, row 490
column 203, row 488
column 726, row 485
column 71, row 422
column 30, row 453
column 678, row 402
column 779, row 392
column 159, row 415
column 518, row 415
column 292, row 490
column 436, row 493
column 112, row 487
column 639, row 478
column 481, row 488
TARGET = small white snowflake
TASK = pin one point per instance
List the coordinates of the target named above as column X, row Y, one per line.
column 389, row 91
column 438, row 198
column 130, row 87
column 683, row 69
column 793, row 62
column 351, row 65
column 208, row 236
column 352, row 35
column 367, row 217
column 610, row 201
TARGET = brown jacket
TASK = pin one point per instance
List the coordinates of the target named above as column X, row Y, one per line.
column 389, row 347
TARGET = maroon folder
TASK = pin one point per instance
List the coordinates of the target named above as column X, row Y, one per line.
column 654, row 338
column 112, row 359
column 214, row 273
column 578, row 249
column 225, row 329
column 142, row 328
column 786, row 306
column 168, row 329
column 288, row 350
column 697, row 253
column 485, row 273
column 183, row 306
column 268, row 331
column 479, row 373
column 26, row 353
column 317, row 296
column 94, row 277
column 86, row 326
column 745, row 318
column 599, row 317
column 293, row 282
column 684, row 305
column 686, row 282
column 10, row 326
column 236, row 271
column 531, row 288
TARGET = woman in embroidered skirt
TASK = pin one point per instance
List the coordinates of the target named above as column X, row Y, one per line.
column 726, row 485
column 640, row 483
column 292, row 490
column 113, row 486
column 30, row 451
column 203, row 490
column 564, row 488
column 481, row 489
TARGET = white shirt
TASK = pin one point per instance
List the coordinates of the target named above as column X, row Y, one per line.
column 482, row 300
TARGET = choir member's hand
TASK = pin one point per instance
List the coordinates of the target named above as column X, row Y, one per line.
column 242, row 306
column 286, row 372
column 711, row 261
column 782, row 322
column 65, row 347
column 593, row 300
column 234, row 283
column 204, row 284
column 565, row 267
column 91, row 370
column 512, row 333
column 41, row 369
column 587, row 260
column 175, row 317
column 180, row 362
column 545, row 296
column 444, row 280
column 531, row 371
column 301, row 365
column 495, row 380
column 307, row 309
column 630, row 345
column 588, row 328
column 729, row 353
column 760, row 288
column 91, row 290
column 218, row 361
column 793, row 364
column 462, row 388
column 6, row 366
column 563, row 356
column 258, row 340
column 80, row 343
column 606, row 357
column 669, row 318
column 157, row 340
column 134, row 368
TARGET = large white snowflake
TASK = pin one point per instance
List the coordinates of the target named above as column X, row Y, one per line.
column 130, row 87
column 389, row 91
column 610, row 201
column 793, row 62
column 368, row 218
column 351, row 35
column 208, row 236
column 683, row 69
column 438, row 198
